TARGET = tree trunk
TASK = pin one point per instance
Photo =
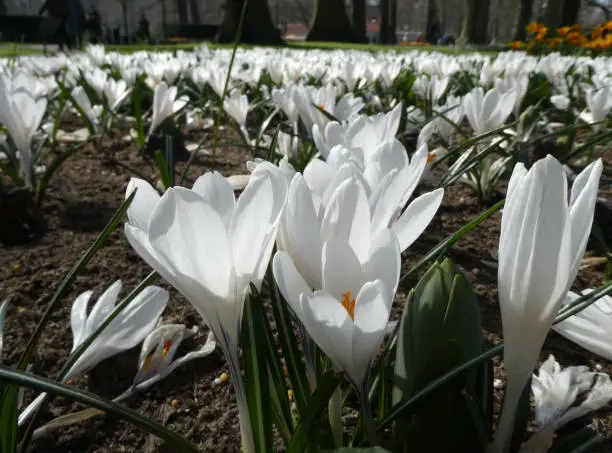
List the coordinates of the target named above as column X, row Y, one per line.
column 330, row 22
column 522, row 19
column 126, row 31
column 570, row 13
column 383, row 34
column 164, row 20
column 554, row 14
column 392, row 21
column 257, row 27
column 183, row 12
column 195, row 11
column 475, row 22
column 432, row 28
column 359, row 20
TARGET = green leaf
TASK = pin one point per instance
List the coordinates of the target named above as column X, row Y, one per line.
column 21, row 379
column 69, row 279
column 289, row 346
column 577, row 442
column 3, row 309
column 254, row 351
column 327, row 115
column 326, row 386
column 8, row 419
column 164, row 174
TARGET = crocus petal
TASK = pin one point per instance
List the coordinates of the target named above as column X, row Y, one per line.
column 417, row 216
column 217, row 192
column 104, row 306
column 289, row 281
column 371, row 317
column 342, row 272
column 330, row 326
column 78, row 318
column 177, row 236
column 144, row 202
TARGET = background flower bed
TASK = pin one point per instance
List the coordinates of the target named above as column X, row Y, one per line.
column 185, row 402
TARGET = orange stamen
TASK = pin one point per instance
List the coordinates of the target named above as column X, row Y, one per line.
column 321, row 106
column 349, row 304
column 430, row 157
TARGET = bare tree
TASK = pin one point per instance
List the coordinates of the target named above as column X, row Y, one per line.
column 124, row 4
column 359, row 21
column 257, row 27
column 475, row 22
column 522, row 19
column 330, row 22
column 183, row 12
column 195, row 11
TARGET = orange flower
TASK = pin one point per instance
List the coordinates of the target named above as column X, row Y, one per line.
column 533, row 27
column 517, row 45
column 553, row 43
column 563, row 31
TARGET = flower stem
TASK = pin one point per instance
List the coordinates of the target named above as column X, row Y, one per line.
column 366, row 411
column 246, row 429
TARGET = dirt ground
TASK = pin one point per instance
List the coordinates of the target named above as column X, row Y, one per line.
column 29, row 274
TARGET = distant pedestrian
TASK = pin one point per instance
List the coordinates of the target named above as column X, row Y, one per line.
column 54, row 26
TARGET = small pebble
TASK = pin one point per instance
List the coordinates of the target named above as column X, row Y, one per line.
column 290, row 395
column 224, row 377
column 21, row 311
column 598, row 367
column 175, row 404
column 69, row 382
column 498, row 384
column 217, row 382
column 204, row 386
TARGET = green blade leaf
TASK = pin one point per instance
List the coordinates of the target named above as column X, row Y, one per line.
column 21, row 379
column 289, row 346
column 164, row 174
column 326, row 386
column 8, row 419
column 254, row 351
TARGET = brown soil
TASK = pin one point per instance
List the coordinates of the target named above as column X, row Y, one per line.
column 206, row 416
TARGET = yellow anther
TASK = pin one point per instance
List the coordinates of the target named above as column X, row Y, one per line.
column 349, row 304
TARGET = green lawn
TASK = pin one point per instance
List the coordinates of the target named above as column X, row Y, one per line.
column 10, row 50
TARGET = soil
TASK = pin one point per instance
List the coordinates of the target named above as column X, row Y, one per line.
column 206, row 416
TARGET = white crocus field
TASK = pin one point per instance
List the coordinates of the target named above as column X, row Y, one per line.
column 266, row 250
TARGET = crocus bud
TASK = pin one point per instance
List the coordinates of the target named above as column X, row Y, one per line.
column 439, row 330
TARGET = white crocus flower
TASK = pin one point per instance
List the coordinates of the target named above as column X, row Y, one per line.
column 556, row 391
column 115, row 93
column 518, row 83
column 347, row 315
column 97, row 80
column 210, row 247
column 237, row 106
column 284, row 98
column 591, row 328
column 91, row 112
column 126, row 331
column 542, row 242
column 165, row 104
column 599, row 104
column 21, row 115
column 346, row 214
column 363, row 134
column 560, row 101
column 487, row 112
